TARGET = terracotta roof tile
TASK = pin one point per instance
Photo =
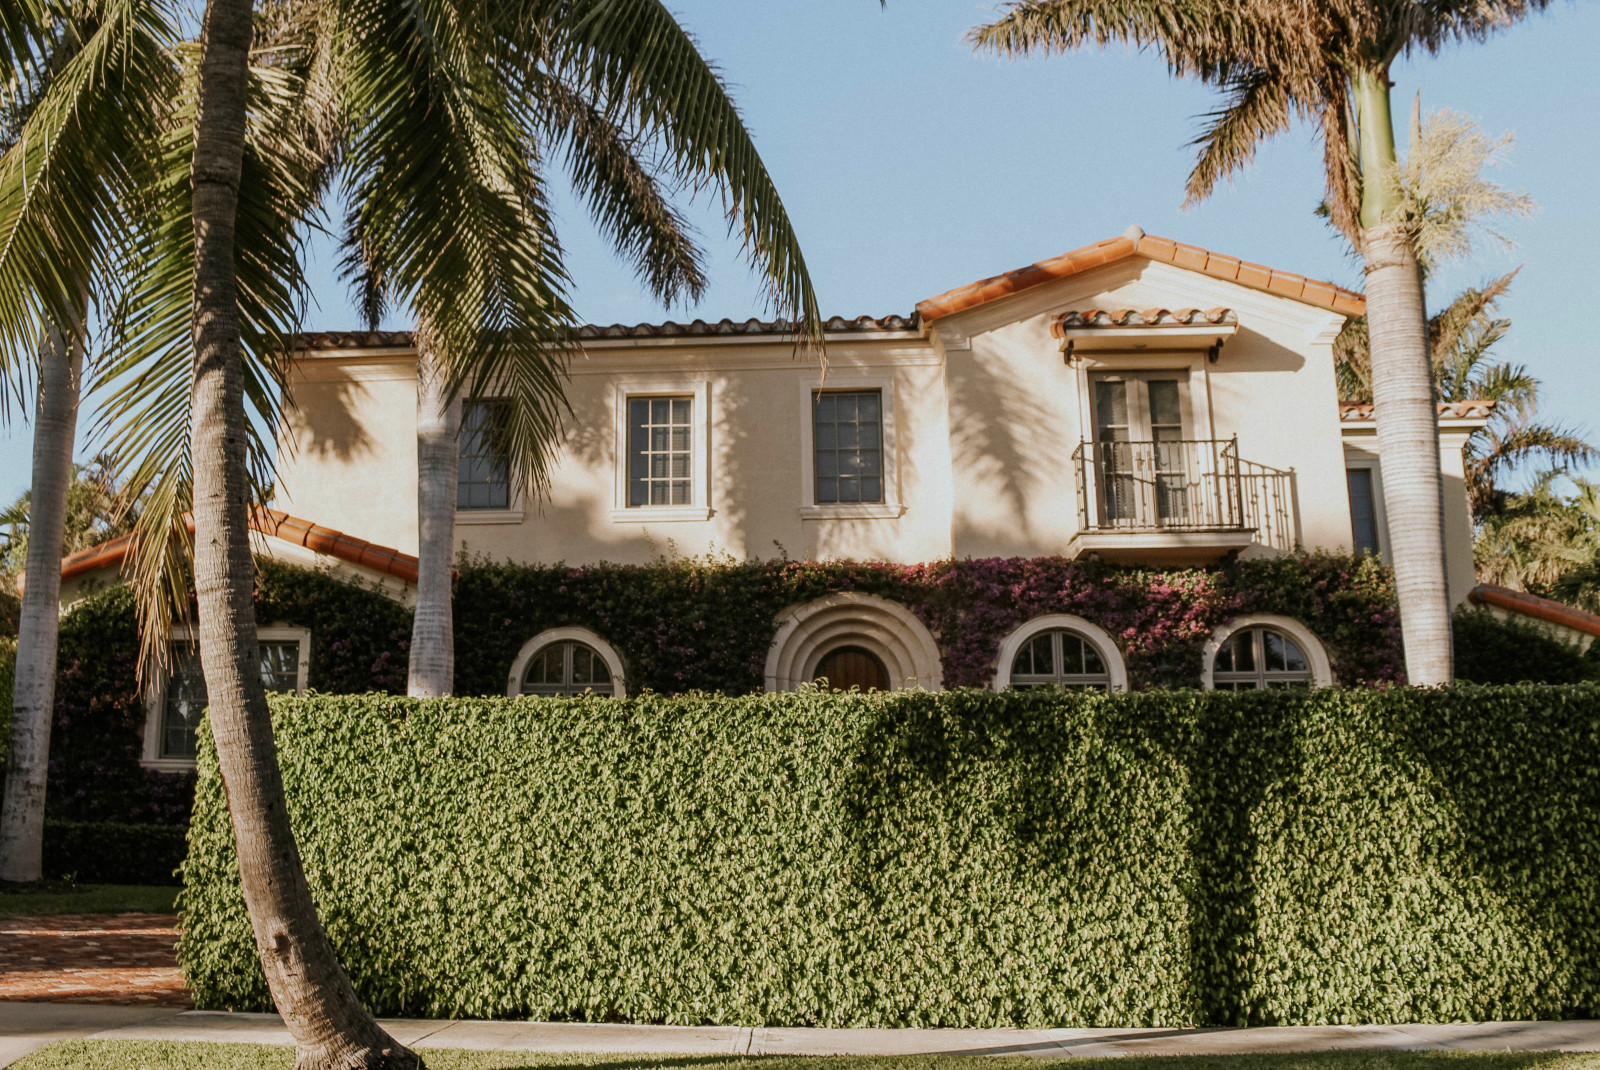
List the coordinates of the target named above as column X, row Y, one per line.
column 1075, row 319
column 1136, row 243
column 334, row 340
column 1534, row 606
column 279, row 525
column 1361, row 411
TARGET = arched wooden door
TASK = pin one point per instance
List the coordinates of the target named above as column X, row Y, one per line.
column 851, row 666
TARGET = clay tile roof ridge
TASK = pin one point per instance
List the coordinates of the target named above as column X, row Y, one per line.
column 1150, row 317
column 1478, row 409
column 1547, row 609
column 336, row 340
column 1134, row 242
column 273, row 522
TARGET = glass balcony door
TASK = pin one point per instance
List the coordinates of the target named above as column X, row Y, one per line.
column 1141, row 428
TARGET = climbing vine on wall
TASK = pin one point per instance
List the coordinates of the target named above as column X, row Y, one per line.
column 707, row 624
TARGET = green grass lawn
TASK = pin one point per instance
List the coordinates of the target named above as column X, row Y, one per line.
column 163, row 1055
column 57, row 897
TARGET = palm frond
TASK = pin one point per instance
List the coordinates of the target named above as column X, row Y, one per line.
column 448, row 212
column 634, row 56
column 150, row 368
column 85, row 147
column 1258, row 108
column 624, row 195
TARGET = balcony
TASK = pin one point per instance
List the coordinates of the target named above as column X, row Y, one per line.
column 1178, row 502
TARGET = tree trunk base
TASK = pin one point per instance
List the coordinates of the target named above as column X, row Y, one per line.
column 397, row 1057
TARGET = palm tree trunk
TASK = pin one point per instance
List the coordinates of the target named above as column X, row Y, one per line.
column 55, row 430
column 433, row 651
column 330, row 1027
column 1403, row 401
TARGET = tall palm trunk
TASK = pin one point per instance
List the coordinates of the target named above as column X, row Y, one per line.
column 330, row 1027
column 433, row 651
column 33, row 703
column 1403, row 400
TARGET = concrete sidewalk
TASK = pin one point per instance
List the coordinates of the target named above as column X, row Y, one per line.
column 27, row 1026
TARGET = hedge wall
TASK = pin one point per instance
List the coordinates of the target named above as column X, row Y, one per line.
column 106, row 852
column 953, row 859
column 1494, row 650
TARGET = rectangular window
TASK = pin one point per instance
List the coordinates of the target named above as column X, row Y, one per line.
column 185, row 699
column 847, row 433
column 483, row 474
column 660, row 451
column 1363, row 510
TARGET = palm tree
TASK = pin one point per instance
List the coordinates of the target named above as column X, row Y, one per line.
column 83, row 85
column 1328, row 62
column 1461, row 338
column 600, row 142
column 436, row 120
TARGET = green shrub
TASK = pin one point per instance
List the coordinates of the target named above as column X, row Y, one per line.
column 104, row 852
column 956, row 859
column 1495, row 650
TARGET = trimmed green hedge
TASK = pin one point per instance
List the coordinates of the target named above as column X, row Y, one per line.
column 956, row 859
column 1494, row 650
column 104, row 852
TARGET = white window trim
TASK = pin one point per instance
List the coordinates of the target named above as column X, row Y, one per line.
column 1321, row 671
column 700, row 470
column 1107, row 647
column 891, row 506
column 619, row 683
column 514, row 514
column 155, row 695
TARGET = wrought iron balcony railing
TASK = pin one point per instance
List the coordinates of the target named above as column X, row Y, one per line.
column 1182, row 485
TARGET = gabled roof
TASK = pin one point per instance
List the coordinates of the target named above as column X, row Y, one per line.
column 279, row 525
column 1136, row 243
column 1532, row 605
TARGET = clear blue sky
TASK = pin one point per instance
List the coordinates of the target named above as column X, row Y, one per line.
column 911, row 165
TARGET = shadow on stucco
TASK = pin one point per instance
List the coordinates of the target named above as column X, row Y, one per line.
column 330, row 429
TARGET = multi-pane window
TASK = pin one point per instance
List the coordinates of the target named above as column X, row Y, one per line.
column 483, row 474
column 660, row 451
column 847, row 430
column 566, row 668
column 1363, row 510
column 184, row 702
column 1256, row 658
column 1062, row 658
column 185, row 698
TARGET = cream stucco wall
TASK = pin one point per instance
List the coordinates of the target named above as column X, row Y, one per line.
column 1018, row 410
column 1361, row 451
column 986, row 414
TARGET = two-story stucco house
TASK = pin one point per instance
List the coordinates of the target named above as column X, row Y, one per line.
column 1137, row 401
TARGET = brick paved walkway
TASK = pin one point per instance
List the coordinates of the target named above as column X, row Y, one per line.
column 92, row 958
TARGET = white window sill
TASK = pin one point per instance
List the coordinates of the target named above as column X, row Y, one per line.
column 853, row 511
column 489, row 516
column 168, row 765
column 663, row 514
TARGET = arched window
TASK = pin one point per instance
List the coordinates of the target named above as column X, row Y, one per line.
column 1256, row 653
column 566, row 661
column 568, row 668
column 1062, row 651
column 1062, row 658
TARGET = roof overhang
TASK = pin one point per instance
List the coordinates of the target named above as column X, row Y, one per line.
column 1136, row 243
column 1156, row 329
